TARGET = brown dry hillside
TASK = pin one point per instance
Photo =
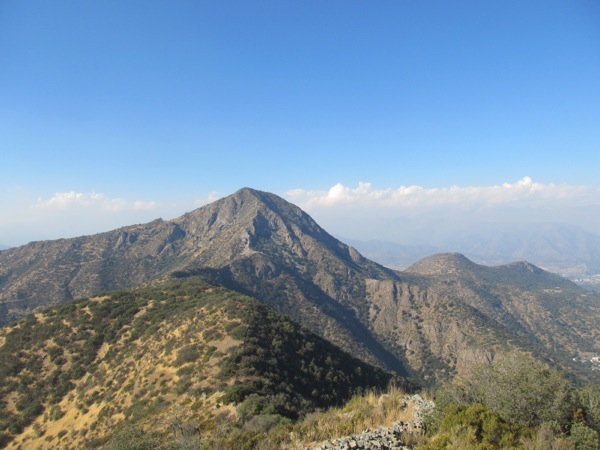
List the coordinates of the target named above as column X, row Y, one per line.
column 182, row 356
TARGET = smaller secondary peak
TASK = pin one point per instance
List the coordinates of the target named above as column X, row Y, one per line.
column 442, row 263
column 524, row 266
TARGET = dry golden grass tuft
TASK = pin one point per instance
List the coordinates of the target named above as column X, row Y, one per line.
column 367, row 411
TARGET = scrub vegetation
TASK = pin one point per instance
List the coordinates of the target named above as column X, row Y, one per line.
column 178, row 356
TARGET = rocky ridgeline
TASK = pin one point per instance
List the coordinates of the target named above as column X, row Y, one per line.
column 384, row 438
column 380, row 438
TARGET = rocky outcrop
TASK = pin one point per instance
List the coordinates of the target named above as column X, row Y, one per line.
column 383, row 438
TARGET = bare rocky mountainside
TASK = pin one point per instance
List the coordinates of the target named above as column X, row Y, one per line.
column 430, row 321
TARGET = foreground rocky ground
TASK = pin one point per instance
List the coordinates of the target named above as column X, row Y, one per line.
column 384, row 438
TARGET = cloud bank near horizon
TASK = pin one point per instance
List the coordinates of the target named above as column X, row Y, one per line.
column 436, row 216
column 524, row 192
column 72, row 199
column 405, row 214
column 68, row 214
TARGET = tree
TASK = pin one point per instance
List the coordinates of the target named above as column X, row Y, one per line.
column 589, row 400
column 524, row 391
column 518, row 388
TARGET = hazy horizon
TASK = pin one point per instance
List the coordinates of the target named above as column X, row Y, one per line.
column 408, row 215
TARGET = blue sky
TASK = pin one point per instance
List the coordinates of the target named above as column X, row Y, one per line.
column 116, row 112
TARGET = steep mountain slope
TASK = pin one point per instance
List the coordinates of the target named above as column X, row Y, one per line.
column 178, row 356
column 251, row 241
column 448, row 312
column 261, row 245
column 47, row 273
column 430, row 321
column 523, row 298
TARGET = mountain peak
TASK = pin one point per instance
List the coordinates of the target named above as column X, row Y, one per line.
column 249, row 211
column 524, row 266
column 442, row 263
column 527, row 271
column 250, row 222
column 249, row 191
column 246, row 194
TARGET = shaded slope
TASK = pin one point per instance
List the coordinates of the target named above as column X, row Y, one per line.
column 449, row 312
column 152, row 356
column 259, row 244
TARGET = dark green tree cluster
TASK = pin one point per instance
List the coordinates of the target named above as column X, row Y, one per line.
column 516, row 402
column 288, row 371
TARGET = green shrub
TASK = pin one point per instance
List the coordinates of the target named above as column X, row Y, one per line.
column 55, row 412
column 588, row 398
column 524, row 391
column 584, row 437
column 4, row 439
column 187, row 354
column 487, row 428
column 236, row 393
column 134, row 439
column 517, row 388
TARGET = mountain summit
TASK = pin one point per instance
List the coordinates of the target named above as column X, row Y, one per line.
column 442, row 263
column 244, row 225
column 251, row 222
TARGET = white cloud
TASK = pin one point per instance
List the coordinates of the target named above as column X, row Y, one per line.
column 416, row 214
column 69, row 214
column 524, row 191
column 78, row 200
column 137, row 205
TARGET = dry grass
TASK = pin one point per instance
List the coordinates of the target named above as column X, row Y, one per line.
column 367, row 411
column 141, row 371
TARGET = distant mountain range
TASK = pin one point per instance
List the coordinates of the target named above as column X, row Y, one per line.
column 429, row 322
column 552, row 245
column 560, row 248
column 391, row 254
